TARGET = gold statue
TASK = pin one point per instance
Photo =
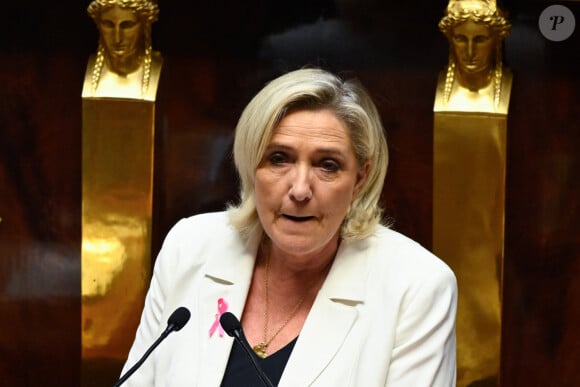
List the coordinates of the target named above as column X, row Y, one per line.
column 118, row 118
column 475, row 79
column 125, row 65
column 469, row 169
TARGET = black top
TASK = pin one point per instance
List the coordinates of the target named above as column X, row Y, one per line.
column 241, row 373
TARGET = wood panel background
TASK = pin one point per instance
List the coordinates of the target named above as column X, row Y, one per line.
column 217, row 55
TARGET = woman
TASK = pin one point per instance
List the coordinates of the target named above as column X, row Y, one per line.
column 326, row 295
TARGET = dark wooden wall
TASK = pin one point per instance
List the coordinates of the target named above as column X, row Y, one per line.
column 217, row 55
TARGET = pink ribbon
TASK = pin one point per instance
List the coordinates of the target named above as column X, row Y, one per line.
column 222, row 307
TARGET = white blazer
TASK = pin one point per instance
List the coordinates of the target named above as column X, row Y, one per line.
column 385, row 315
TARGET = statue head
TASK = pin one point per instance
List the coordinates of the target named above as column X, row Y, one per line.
column 124, row 34
column 475, row 30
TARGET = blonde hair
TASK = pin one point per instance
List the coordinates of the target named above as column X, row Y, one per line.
column 312, row 89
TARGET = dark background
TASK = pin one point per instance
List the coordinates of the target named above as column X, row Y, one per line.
column 217, row 55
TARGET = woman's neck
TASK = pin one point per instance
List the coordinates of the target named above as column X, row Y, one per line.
column 292, row 270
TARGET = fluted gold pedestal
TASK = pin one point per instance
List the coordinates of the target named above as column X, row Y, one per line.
column 117, row 191
column 468, row 231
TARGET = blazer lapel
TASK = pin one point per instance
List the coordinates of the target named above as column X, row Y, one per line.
column 331, row 318
column 227, row 277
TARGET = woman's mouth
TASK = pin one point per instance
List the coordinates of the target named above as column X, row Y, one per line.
column 298, row 218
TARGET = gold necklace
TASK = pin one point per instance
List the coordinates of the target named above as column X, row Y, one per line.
column 262, row 347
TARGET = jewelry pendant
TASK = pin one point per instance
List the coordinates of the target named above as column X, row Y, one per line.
column 260, row 349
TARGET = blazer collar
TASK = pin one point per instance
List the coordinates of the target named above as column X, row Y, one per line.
column 331, row 318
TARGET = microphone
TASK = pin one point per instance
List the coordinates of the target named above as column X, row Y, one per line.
column 233, row 328
column 176, row 321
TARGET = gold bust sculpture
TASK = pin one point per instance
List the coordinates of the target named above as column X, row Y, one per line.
column 475, row 79
column 125, row 65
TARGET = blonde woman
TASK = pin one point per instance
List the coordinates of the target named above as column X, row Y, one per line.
column 326, row 295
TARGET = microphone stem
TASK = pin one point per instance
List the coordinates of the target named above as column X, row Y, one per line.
column 166, row 332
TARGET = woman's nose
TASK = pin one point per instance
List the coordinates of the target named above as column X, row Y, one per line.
column 300, row 184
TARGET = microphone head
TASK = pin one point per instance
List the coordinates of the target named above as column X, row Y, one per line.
column 179, row 318
column 230, row 323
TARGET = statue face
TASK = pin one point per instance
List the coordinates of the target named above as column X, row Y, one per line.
column 122, row 36
column 473, row 47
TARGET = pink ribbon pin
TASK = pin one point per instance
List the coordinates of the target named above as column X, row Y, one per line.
column 222, row 307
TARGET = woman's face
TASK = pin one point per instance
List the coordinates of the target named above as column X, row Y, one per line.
column 306, row 181
column 473, row 47
column 122, row 34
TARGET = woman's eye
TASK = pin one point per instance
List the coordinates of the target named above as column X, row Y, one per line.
column 277, row 158
column 330, row 165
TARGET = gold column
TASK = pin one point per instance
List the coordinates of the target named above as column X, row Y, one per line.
column 117, row 191
column 118, row 124
column 468, row 232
